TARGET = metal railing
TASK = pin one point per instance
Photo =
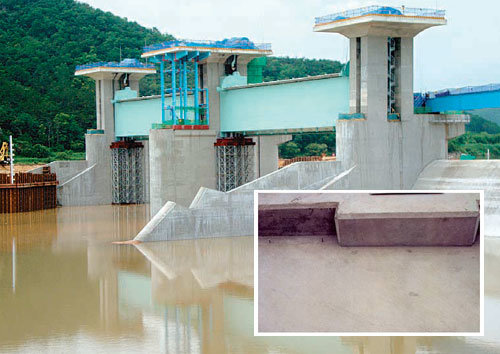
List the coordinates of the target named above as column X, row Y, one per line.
column 231, row 43
column 380, row 10
column 126, row 63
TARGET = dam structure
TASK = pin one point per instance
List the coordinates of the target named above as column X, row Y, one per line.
column 198, row 150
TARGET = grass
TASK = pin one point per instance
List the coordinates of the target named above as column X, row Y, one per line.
column 66, row 155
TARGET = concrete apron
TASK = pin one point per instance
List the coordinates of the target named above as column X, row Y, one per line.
column 378, row 220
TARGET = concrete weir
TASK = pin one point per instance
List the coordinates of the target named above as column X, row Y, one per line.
column 216, row 214
column 373, row 219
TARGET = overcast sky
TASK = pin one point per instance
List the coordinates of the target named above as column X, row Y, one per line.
column 465, row 52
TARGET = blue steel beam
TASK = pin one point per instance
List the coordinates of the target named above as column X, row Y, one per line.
column 465, row 102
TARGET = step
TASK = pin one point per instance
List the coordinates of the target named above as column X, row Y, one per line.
column 362, row 219
column 408, row 220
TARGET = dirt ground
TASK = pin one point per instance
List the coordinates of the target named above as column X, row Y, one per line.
column 19, row 167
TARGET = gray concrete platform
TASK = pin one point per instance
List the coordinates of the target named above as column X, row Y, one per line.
column 305, row 285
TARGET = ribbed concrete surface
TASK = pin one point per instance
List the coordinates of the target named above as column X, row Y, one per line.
column 468, row 174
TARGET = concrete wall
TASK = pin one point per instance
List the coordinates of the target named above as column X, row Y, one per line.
column 180, row 163
column 392, row 155
column 134, row 117
column 266, row 153
column 290, row 105
column 91, row 186
column 64, row 170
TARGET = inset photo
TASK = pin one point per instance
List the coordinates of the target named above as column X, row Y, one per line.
column 368, row 263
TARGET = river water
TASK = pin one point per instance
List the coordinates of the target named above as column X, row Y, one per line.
column 65, row 287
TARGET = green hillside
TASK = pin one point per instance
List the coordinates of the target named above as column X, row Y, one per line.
column 42, row 104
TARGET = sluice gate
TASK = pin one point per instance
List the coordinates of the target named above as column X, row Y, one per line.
column 127, row 172
column 234, row 159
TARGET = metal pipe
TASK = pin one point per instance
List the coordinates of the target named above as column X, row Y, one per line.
column 207, row 107
column 184, row 84
column 181, row 96
column 174, row 92
column 162, row 85
column 196, row 106
column 11, row 155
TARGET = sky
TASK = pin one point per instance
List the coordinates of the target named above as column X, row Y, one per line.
column 464, row 52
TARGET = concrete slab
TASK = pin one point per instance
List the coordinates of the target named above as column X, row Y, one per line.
column 408, row 220
column 306, row 285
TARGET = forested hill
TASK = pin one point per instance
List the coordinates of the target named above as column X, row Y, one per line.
column 41, row 41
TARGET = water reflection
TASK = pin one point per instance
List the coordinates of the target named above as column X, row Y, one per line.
column 76, row 290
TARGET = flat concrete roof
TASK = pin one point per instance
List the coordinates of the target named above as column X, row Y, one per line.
column 239, row 51
column 103, row 70
column 380, row 25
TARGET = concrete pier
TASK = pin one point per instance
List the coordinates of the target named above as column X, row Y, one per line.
column 181, row 161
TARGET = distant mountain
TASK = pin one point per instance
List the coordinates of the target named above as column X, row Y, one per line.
column 491, row 114
column 41, row 41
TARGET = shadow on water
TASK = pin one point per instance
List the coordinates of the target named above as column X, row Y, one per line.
column 74, row 289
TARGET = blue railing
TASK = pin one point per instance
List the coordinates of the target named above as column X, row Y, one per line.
column 465, row 90
column 232, row 43
column 380, row 10
column 125, row 63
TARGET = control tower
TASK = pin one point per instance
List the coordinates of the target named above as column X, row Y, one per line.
column 112, row 168
column 110, row 77
column 381, row 135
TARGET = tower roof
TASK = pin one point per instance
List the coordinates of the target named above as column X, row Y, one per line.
column 128, row 66
column 235, row 45
column 380, row 20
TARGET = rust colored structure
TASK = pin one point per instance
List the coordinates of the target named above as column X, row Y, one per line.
column 29, row 192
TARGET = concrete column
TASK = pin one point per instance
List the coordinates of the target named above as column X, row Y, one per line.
column 105, row 110
column 180, row 163
column 374, row 77
column 266, row 153
column 145, row 167
column 134, row 84
column 98, row 153
column 212, row 72
column 406, row 79
column 354, row 77
column 243, row 64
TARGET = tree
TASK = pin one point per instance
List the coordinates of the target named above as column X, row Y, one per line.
column 289, row 150
column 315, row 149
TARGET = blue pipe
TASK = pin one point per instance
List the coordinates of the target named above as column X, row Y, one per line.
column 174, row 119
column 196, row 113
column 184, row 84
column 162, row 85
column 207, row 108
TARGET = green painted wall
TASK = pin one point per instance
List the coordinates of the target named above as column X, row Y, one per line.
column 135, row 117
column 295, row 105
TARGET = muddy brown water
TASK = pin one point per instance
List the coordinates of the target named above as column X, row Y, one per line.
column 64, row 287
